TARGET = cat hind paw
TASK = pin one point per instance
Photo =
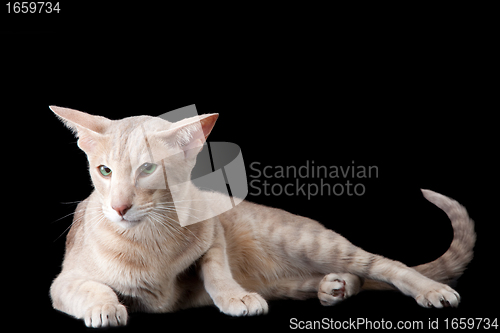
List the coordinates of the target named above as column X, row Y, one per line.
column 335, row 288
column 442, row 296
column 331, row 290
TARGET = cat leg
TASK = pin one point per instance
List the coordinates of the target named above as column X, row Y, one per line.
column 325, row 251
column 427, row 292
column 299, row 287
column 226, row 293
column 336, row 287
column 330, row 289
column 94, row 302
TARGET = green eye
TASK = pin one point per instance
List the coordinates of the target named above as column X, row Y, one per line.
column 147, row 169
column 105, row 171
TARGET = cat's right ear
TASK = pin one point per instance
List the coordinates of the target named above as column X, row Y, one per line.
column 88, row 129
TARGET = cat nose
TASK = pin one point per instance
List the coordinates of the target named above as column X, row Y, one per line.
column 121, row 210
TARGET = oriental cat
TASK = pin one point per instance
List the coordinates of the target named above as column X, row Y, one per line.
column 127, row 249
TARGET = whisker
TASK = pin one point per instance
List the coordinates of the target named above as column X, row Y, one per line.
column 179, row 212
column 157, row 219
column 182, row 229
column 190, row 200
column 76, row 211
column 63, row 217
column 176, row 206
column 100, row 216
column 65, row 230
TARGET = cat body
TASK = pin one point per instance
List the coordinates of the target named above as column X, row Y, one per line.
column 126, row 250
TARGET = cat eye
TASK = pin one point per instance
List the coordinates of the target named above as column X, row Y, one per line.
column 147, row 169
column 105, row 171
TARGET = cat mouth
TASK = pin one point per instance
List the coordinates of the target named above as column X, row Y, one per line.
column 130, row 220
column 128, row 223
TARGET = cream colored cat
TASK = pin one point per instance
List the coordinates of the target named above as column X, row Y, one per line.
column 126, row 250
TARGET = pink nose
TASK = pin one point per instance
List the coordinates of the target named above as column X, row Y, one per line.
column 121, row 210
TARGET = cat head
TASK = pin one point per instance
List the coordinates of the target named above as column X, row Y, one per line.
column 136, row 162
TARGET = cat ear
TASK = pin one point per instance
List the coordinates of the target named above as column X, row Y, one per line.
column 190, row 134
column 87, row 128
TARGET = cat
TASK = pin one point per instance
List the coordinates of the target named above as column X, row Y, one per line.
column 127, row 251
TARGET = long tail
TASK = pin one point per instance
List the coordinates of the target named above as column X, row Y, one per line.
column 453, row 262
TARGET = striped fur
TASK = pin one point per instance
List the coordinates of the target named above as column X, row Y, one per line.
column 143, row 260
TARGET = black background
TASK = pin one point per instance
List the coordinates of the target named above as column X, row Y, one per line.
column 419, row 108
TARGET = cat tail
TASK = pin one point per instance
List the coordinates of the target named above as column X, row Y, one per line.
column 453, row 262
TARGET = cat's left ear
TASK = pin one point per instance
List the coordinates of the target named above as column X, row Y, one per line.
column 190, row 134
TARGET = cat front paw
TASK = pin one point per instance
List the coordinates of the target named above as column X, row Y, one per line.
column 106, row 315
column 439, row 296
column 248, row 304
